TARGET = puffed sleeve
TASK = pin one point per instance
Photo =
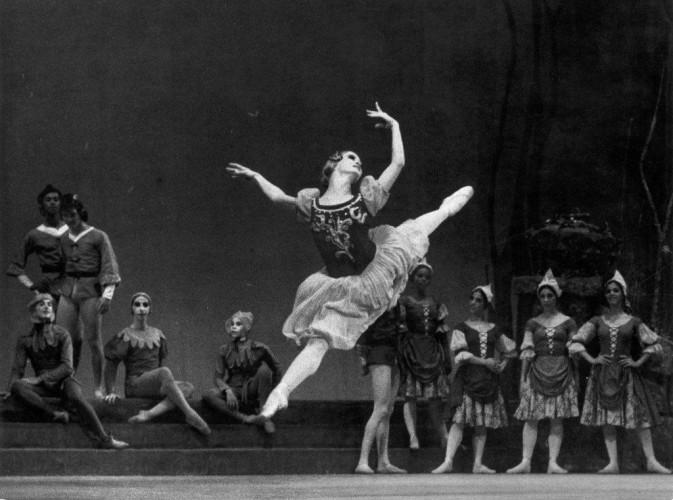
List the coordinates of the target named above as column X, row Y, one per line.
column 109, row 270
column 304, row 202
column 458, row 345
column 373, row 194
column 442, row 317
column 649, row 341
column 583, row 336
column 505, row 346
column 571, row 328
column 527, row 345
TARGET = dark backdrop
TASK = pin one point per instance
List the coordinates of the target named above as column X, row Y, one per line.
column 137, row 107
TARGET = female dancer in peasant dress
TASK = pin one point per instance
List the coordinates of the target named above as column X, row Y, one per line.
column 365, row 269
column 481, row 353
column 424, row 350
column 548, row 385
column 616, row 395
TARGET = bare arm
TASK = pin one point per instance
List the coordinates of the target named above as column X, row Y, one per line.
column 273, row 192
column 390, row 174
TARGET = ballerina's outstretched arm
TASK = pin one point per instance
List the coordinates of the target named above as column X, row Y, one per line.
column 273, row 192
column 390, row 174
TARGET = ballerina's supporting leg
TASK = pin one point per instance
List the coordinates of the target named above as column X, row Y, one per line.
column 302, row 367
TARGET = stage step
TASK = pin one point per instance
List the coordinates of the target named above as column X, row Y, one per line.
column 311, row 437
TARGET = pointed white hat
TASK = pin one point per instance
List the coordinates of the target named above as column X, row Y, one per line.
column 550, row 281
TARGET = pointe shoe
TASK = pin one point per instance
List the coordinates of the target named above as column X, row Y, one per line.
column 276, row 401
column 482, row 469
column 454, row 203
column 61, row 417
column 198, row 423
column 554, row 468
column 142, row 417
column 445, row 467
column 656, row 467
column 269, row 427
column 413, row 443
column 609, row 469
column 522, row 468
column 390, row 469
column 112, row 444
column 363, row 469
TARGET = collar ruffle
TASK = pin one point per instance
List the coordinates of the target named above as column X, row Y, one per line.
column 149, row 338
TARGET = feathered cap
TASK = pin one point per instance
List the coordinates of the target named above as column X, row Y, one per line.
column 550, row 281
column 487, row 291
column 420, row 263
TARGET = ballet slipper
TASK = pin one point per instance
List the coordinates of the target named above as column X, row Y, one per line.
column 198, row 423
column 447, row 466
column 61, row 417
column 269, row 427
column 656, row 467
column 113, row 444
column 389, row 469
column 554, row 468
column 276, row 401
column 454, row 203
column 609, row 469
column 142, row 417
column 522, row 468
column 482, row 469
column 363, row 469
column 413, row 443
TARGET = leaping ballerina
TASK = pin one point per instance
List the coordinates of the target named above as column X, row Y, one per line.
column 366, row 268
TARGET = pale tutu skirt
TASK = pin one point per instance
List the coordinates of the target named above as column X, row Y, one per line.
column 339, row 310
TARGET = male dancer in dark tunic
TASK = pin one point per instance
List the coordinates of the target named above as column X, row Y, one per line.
column 48, row 347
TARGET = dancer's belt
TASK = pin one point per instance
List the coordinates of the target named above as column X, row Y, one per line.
column 82, row 274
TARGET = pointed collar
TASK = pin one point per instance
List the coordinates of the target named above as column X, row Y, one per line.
column 75, row 239
column 150, row 338
column 53, row 231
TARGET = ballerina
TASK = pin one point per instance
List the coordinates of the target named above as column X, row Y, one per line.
column 365, row 269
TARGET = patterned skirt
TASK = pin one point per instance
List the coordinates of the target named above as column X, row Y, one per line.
column 473, row 413
column 339, row 310
column 412, row 388
column 535, row 405
column 635, row 408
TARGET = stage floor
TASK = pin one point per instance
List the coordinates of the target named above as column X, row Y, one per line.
column 463, row 486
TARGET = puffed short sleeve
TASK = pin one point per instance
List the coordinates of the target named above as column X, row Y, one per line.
column 649, row 341
column 304, row 202
column 583, row 336
column 374, row 194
